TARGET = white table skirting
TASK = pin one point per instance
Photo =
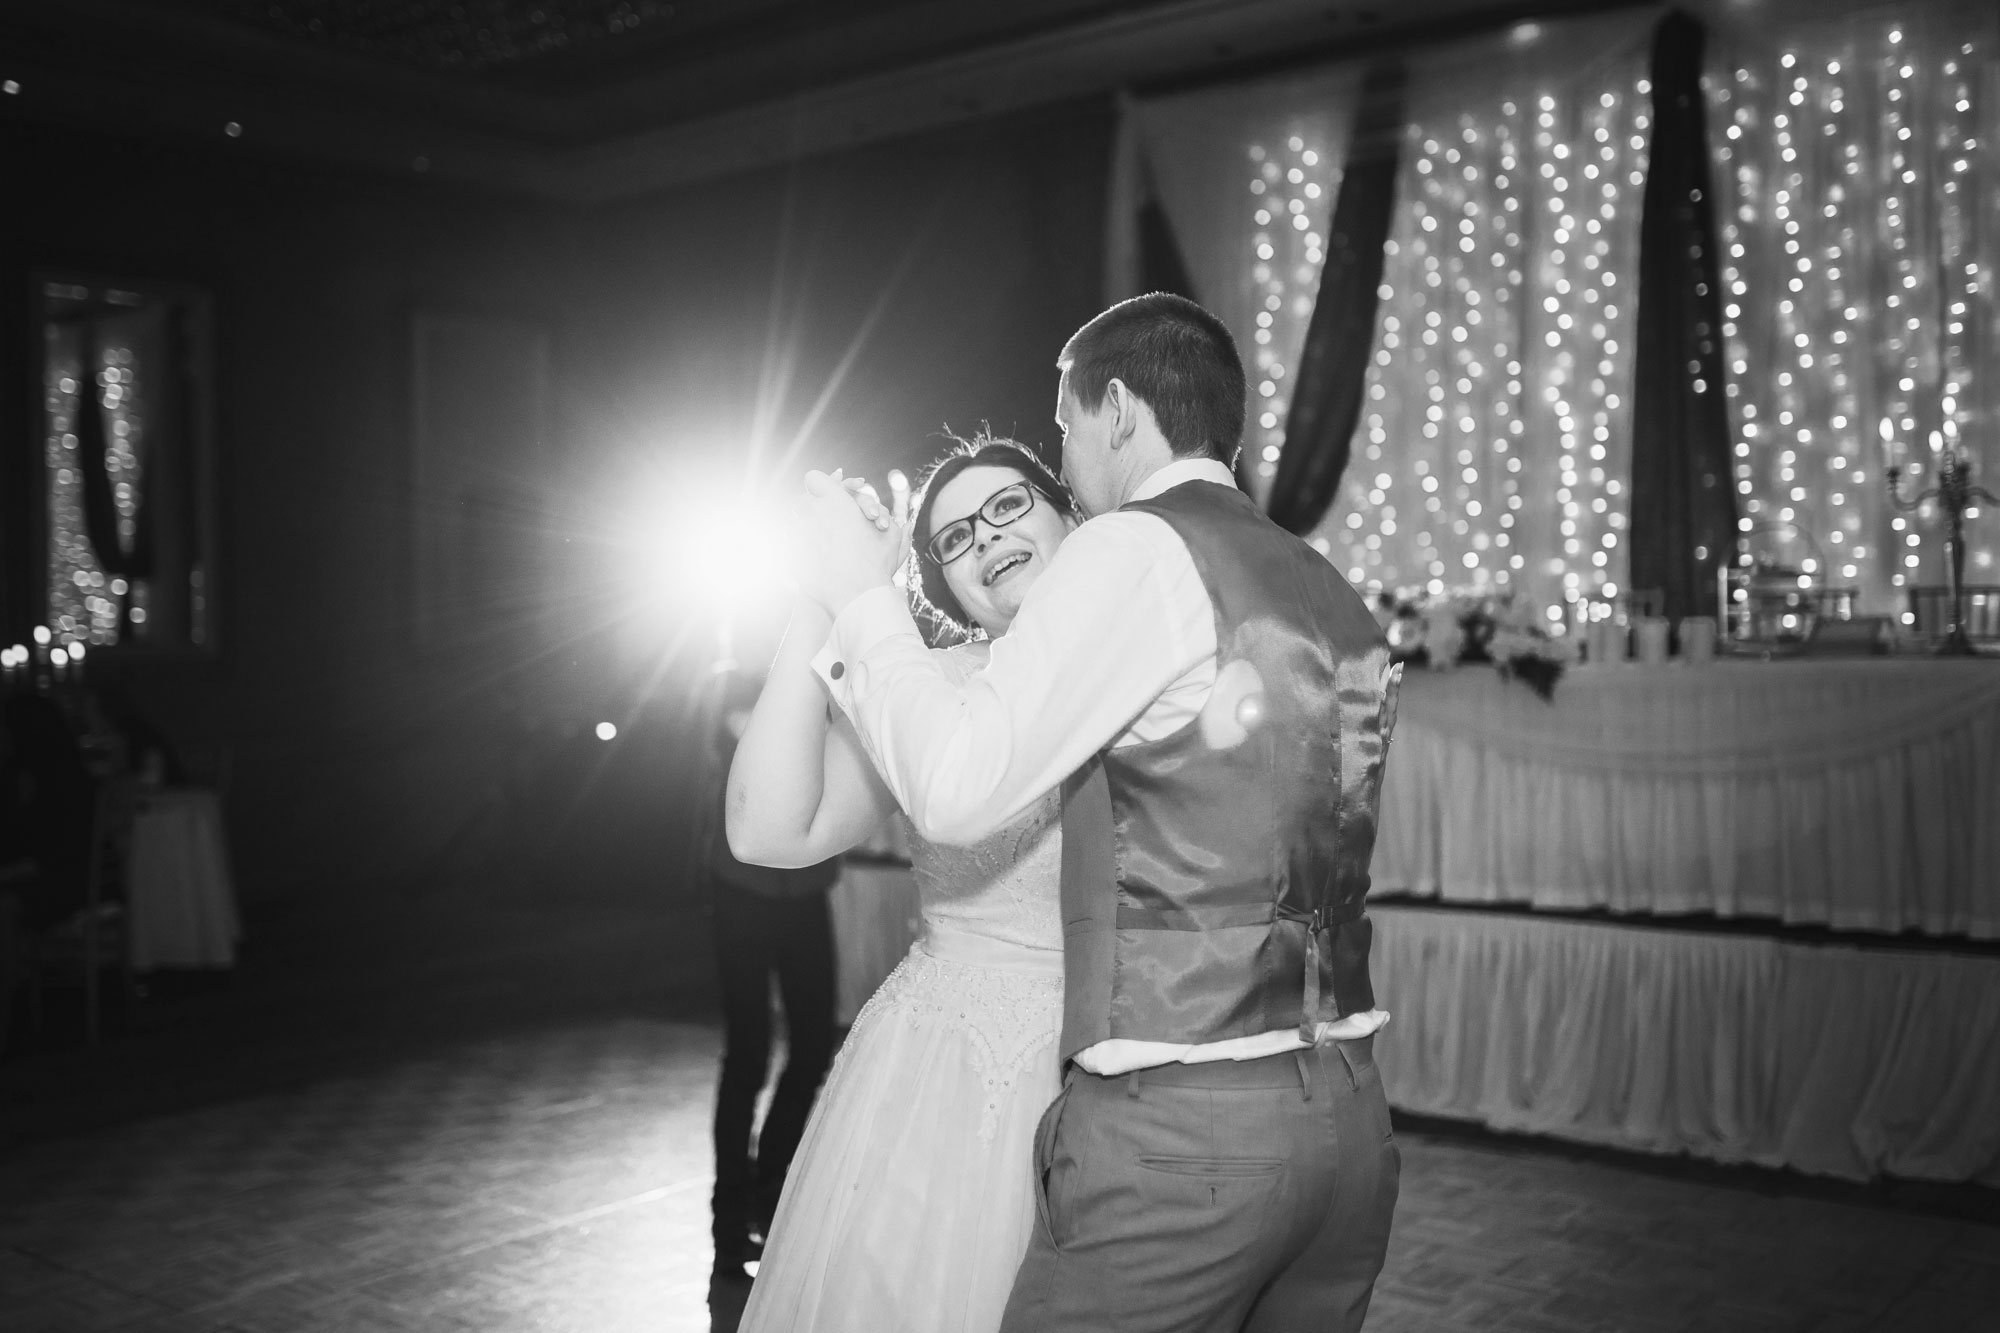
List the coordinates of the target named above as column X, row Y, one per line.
column 874, row 910
column 1861, row 795
column 1836, row 1061
column 182, row 901
column 1832, row 1060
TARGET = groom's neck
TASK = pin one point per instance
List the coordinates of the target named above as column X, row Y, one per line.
column 1147, row 458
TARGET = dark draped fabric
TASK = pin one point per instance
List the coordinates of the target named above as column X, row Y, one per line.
column 1683, row 497
column 1161, row 268
column 100, row 506
column 1326, row 403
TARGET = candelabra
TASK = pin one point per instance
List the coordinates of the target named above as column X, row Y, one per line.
column 1954, row 493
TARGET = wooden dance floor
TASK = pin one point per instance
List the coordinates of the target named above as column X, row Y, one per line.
column 553, row 1175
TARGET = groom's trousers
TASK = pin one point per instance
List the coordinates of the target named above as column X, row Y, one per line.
column 1247, row 1195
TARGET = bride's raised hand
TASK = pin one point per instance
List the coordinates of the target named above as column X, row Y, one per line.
column 869, row 500
column 895, row 516
column 850, row 541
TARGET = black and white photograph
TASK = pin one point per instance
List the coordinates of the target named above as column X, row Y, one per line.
column 999, row 666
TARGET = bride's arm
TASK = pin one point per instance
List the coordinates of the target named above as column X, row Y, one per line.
column 801, row 789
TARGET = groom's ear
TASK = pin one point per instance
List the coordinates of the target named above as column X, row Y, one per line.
column 1125, row 411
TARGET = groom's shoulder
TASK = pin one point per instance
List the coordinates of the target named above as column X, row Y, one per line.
column 1116, row 554
column 1129, row 530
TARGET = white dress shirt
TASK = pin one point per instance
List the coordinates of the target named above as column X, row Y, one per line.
column 1113, row 645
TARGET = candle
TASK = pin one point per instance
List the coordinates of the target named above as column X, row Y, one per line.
column 1651, row 635
column 1697, row 638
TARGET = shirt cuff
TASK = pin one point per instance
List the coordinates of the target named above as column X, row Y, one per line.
column 878, row 614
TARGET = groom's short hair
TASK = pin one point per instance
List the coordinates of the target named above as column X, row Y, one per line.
column 1173, row 355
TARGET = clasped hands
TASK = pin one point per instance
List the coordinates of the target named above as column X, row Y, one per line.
column 845, row 540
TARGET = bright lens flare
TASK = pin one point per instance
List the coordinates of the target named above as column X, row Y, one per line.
column 726, row 556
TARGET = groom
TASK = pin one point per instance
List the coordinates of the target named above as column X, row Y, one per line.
column 1216, row 703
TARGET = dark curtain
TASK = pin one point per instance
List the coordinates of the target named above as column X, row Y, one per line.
column 100, row 507
column 1683, row 499
column 1161, row 268
column 1327, row 401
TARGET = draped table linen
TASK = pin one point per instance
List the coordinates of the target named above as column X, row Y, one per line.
column 1837, row 1061
column 182, row 898
column 1857, row 794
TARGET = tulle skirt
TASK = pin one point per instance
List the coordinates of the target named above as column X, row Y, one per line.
column 911, row 1200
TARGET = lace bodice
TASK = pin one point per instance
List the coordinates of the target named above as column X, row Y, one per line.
column 988, row 965
column 1004, row 886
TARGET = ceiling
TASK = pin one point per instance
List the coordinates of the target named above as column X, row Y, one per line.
column 571, row 47
column 487, row 38
column 591, row 100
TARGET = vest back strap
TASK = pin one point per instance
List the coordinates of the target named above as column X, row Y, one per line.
column 1232, row 914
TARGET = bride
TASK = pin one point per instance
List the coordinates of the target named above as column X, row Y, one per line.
column 910, row 1201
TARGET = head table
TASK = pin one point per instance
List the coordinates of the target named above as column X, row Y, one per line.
column 1549, row 878
column 1859, row 795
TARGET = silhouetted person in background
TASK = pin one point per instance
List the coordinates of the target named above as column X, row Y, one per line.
column 767, row 923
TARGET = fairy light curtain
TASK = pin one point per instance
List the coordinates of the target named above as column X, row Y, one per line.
column 1246, row 175
column 1493, row 449
column 1860, row 248
column 126, row 536
column 89, row 602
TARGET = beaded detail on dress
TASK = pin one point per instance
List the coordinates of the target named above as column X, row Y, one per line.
column 1007, row 1019
column 1003, row 889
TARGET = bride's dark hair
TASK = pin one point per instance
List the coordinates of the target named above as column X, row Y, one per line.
column 929, row 591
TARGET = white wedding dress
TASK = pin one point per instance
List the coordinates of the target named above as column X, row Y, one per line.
column 911, row 1200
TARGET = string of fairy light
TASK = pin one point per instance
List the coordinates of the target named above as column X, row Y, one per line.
column 1964, row 279
column 1854, row 294
column 1290, row 189
column 1501, row 374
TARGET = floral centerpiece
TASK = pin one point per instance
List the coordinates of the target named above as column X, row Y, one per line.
column 1463, row 626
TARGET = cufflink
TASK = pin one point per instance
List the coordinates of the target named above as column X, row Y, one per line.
column 837, row 670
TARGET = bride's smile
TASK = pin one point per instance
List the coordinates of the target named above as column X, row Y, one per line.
column 1003, row 564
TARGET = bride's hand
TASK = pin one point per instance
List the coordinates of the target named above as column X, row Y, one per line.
column 849, row 542
column 869, row 500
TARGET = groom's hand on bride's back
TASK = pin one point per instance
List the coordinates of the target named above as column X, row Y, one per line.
column 847, row 542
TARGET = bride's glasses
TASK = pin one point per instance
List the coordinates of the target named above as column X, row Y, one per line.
column 1004, row 506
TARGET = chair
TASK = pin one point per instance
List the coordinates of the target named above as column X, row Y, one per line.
column 1930, row 610
column 99, row 932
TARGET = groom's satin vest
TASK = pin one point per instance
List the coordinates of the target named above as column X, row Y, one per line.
column 1213, row 879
